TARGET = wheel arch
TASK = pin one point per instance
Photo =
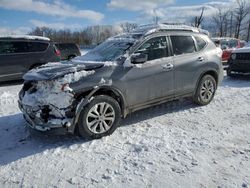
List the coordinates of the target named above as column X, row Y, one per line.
column 105, row 90
column 213, row 73
column 86, row 96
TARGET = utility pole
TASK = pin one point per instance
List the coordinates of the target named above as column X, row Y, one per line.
column 248, row 32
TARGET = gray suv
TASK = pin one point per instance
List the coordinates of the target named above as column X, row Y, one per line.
column 19, row 54
column 129, row 72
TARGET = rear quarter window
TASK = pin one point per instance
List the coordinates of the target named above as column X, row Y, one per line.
column 200, row 43
column 67, row 46
column 182, row 44
column 37, row 46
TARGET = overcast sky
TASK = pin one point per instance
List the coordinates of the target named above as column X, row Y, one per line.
column 20, row 16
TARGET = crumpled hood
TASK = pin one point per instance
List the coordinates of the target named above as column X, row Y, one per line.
column 53, row 71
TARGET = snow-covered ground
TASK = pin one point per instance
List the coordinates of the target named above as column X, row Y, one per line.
column 177, row 144
column 84, row 51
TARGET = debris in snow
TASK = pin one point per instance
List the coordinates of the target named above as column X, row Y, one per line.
column 107, row 82
column 102, row 81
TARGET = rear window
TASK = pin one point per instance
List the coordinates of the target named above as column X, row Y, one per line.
column 182, row 44
column 232, row 43
column 9, row 47
column 37, row 46
column 67, row 46
column 200, row 43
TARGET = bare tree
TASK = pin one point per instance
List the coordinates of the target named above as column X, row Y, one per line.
column 220, row 20
column 240, row 13
column 248, row 31
column 231, row 24
column 127, row 26
column 88, row 36
column 199, row 19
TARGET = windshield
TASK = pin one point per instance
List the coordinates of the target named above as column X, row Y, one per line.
column 229, row 43
column 108, row 50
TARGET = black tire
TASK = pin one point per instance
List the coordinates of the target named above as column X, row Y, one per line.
column 84, row 130
column 229, row 73
column 35, row 66
column 71, row 57
column 198, row 98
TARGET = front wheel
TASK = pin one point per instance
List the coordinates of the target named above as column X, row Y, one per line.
column 100, row 117
column 205, row 91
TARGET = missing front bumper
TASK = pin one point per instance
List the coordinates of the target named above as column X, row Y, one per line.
column 39, row 124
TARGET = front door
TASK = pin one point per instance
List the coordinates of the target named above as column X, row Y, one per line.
column 154, row 79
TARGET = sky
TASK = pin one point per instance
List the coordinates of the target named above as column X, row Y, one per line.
column 20, row 16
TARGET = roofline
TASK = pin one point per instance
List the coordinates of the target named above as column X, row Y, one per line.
column 25, row 37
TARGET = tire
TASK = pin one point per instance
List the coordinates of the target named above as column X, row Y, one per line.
column 205, row 91
column 94, row 124
column 229, row 73
column 71, row 57
column 35, row 66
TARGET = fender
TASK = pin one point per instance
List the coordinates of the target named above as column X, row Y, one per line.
column 87, row 99
column 202, row 74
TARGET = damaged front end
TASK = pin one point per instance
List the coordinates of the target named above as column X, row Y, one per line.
column 46, row 107
column 50, row 103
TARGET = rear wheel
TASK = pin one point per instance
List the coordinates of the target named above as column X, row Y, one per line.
column 71, row 57
column 100, row 117
column 205, row 91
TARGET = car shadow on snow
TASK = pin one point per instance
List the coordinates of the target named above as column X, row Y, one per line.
column 237, row 81
column 17, row 142
column 159, row 110
column 11, row 83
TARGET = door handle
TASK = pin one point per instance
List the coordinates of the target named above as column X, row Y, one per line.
column 200, row 59
column 168, row 66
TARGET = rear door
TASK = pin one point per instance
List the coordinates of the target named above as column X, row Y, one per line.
column 13, row 57
column 152, row 80
column 187, row 62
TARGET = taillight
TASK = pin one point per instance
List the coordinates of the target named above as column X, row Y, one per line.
column 57, row 52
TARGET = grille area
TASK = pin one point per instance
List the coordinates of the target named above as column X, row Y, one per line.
column 243, row 56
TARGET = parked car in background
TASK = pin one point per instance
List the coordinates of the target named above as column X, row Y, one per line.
column 228, row 45
column 239, row 62
column 152, row 64
column 19, row 54
column 68, row 50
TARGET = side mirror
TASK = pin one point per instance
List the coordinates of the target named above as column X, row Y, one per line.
column 139, row 58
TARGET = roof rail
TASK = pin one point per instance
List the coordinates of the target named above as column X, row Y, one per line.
column 28, row 37
column 152, row 28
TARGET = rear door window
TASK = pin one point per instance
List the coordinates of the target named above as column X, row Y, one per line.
column 182, row 44
column 37, row 46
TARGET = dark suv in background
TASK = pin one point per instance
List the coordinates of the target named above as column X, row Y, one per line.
column 19, row 54
column 68, row 50
column 228, row 45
